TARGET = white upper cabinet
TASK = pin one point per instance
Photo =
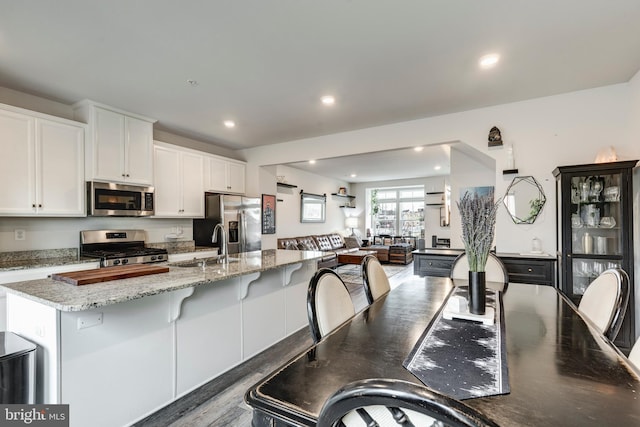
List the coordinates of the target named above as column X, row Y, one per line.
column 42, row 164
column 179, row 179
column 120, row 144
column 225, row 176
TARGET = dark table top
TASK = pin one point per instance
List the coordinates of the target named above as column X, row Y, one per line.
column 561, row 371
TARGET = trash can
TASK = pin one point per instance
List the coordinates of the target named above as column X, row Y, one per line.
column 17, row 369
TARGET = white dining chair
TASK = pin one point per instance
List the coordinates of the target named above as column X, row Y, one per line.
column 495, row 270
column 385, row 402
column 376, row 282
column 605, row 301
column 329, row 303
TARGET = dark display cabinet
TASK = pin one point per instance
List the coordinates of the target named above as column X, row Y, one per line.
column 595, row 230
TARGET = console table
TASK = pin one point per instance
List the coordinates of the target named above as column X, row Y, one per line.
column 529, row 268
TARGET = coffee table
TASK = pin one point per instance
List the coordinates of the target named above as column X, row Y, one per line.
column 354, row 257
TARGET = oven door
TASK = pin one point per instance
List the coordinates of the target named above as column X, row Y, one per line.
column 110, row 199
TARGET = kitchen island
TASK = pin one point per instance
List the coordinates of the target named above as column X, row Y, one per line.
column 123, row 349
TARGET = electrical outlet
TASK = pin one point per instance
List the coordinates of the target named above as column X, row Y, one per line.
column 19, row 234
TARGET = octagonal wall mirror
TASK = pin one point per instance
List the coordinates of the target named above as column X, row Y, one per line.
column 524, row 199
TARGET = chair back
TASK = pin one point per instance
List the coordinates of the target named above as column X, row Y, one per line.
column 385, row 402
column 328, row 303
column 495, row 270
column 605, row 301
column 376, row 282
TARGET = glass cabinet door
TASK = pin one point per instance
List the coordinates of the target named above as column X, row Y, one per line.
column 596, row 232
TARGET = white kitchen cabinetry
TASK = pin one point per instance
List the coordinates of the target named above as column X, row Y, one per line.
column 42, row 164
column 179, row 179
column 120, row 144
column 225, row 176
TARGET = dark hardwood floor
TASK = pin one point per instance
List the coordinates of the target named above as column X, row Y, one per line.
column 220, row 402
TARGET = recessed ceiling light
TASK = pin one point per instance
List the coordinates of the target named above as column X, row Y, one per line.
column 192, row 82
column 313, row 162
column 353, row 175
column 418, row 148
column 489, row 61
column 229, row 123
column 437, row 167
column 328, row 100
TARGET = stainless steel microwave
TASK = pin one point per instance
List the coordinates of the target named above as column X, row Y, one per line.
column 111, row 199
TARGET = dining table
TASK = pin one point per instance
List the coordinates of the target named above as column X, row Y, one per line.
column 561, row 371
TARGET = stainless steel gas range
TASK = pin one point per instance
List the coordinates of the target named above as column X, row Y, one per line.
column 119, row 247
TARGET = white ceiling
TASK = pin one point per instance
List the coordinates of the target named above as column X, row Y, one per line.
column 384, row 165
column 265, row 64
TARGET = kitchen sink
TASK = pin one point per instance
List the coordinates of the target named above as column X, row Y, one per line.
column 201, row 262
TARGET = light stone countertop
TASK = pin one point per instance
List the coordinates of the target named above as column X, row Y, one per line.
column 66, row 297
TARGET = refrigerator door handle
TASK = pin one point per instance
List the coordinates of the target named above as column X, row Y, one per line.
column 243, row 229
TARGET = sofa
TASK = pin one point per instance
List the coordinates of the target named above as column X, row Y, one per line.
column 332, row 245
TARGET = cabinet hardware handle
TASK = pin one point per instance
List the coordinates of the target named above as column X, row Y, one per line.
column 530, row 270
column 127, row 175
column 33, row 205
column 40, row 205
column 123, row 175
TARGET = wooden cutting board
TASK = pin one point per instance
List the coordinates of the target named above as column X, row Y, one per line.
column 85, row 277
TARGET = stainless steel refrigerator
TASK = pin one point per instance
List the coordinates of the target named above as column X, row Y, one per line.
column 240, row 216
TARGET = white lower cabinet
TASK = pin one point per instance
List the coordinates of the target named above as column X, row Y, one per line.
column 263, row 314
column 122, row 359
column 179, row 180
column 208, row 334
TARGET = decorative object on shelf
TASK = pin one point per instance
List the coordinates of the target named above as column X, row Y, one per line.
column 478, row 216
column 495, row 138
column 280, row 179
column 511, row 162
column 342, row 191
column 524, row 199
column 312, row 207
column 536, row 246
column 351, row 222
column 268, row 214
column 606, row 155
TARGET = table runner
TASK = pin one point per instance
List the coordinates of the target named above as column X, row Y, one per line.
column 463, row 359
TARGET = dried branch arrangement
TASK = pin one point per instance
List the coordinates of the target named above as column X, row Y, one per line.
column 478, row 216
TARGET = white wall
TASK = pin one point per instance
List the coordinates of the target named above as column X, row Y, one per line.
column 57, row 233
column 288, row 210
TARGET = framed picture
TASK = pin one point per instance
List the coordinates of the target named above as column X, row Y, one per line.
column 268, row 214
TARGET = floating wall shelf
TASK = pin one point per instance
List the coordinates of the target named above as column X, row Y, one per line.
column 285, row 185
column 347, row 196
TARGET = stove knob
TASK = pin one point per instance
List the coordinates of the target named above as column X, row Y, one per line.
column 160, row 257
column 125, row 261
column 153, row 257
column 116, row 262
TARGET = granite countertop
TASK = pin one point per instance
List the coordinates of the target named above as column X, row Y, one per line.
column 25, row 260
column 66, row 297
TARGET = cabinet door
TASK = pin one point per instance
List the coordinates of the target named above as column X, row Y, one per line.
column 192, row 185
column 217, row 175
column 108, row 140
column 235, row 177
column 138, row 151
column 17, row 163
column 60, row 169
column 167, row 179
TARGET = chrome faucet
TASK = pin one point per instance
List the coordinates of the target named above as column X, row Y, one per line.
column 223, row 247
